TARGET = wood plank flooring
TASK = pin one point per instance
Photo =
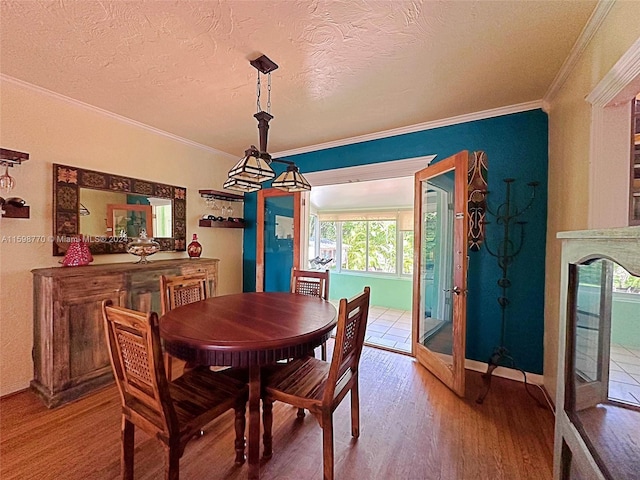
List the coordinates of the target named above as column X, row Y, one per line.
column 412, row 428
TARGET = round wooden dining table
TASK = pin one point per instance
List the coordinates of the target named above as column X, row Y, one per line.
column 248, row 330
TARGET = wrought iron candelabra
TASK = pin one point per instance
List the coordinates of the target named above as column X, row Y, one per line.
column 508, row 217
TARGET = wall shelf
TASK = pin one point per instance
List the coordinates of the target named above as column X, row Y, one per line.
column 220, row 224
column 232, row 197
column 10, row 158
column 15, row 212
column 224, row 196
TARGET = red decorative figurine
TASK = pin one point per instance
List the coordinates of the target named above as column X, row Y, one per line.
column 194, row 249
column 77, row 254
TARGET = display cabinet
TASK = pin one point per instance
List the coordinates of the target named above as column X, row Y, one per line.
column 597, row 434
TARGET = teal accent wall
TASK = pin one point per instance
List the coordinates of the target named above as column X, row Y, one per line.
column 516, row 147
column 390, row 292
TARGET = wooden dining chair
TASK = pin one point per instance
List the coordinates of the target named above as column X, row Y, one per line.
column 320, row 386
column 181, row 290
column 172, row 412
column 314, row 284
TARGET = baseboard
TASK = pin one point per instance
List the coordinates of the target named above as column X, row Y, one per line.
column 14, row 391
column 505, row 372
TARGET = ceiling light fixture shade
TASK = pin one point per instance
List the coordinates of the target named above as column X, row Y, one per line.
column 241, row 185
column 291, row 180
column 253, row 167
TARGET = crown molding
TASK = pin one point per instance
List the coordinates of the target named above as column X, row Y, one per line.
column 470, row 117
column 115, row 116
column 623, row 76
column 591, row 27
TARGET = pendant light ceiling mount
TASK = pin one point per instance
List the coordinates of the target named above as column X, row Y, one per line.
column 264, row 64
column 254, row 168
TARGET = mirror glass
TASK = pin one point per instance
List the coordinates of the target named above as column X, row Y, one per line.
column 108, row 210
column 120, row 214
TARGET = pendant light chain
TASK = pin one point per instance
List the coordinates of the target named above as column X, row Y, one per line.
column 269, row 92
column 259, row 91
column 258, row 88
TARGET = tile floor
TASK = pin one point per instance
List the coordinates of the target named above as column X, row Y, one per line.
column 389, row 328
column 624, row 373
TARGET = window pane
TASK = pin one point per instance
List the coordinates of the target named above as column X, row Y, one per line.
column 407, row 252
column 382, row 246
column 354, row 244
column 328, row 239
column 312, row 236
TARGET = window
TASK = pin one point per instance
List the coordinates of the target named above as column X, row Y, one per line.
column 369, row 246
column 381, row 243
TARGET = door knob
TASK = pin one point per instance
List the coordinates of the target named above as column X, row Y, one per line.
column 455, row 290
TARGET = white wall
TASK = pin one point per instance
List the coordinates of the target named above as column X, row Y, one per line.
column 53, row 130
column 570, row 117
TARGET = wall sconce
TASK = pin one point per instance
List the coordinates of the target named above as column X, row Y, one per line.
column 13, row 207
column 255, row 167
column 9, row 158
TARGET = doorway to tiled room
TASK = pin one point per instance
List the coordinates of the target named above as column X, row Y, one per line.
column 363, row 233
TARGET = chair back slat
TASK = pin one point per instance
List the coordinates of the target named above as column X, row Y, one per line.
column 135, row 361
column 133, row 341
column 183, row 289
column 311, row 283
column 350, row 333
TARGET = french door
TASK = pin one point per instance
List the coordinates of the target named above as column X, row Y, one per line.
column 277, row 240
column 440, row 269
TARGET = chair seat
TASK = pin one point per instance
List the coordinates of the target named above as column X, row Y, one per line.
column 320, row 386
column 302, row 381
column 201, row 393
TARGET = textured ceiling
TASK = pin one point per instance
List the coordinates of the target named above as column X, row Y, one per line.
column 347, row 68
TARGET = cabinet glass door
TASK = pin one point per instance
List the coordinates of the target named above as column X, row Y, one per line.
column 591, row 324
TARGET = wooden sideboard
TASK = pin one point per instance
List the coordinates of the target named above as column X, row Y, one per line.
column 70, row 355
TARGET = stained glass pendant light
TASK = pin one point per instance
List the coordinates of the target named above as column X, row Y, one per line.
column 255, row 167
column 291, row 180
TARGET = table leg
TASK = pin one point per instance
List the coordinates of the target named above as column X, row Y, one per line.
column 254, row 422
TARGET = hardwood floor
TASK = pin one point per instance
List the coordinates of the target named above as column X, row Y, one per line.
column 412, row 428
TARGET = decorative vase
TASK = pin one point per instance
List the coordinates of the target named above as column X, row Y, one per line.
column 143, row 247
column 194, row 249
column 77, row 254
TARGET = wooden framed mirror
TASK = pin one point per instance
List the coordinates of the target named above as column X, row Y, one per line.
column 84, row 202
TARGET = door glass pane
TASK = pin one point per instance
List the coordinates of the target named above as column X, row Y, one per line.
column 435, row 329
column 588, row 305
column 278, row 243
